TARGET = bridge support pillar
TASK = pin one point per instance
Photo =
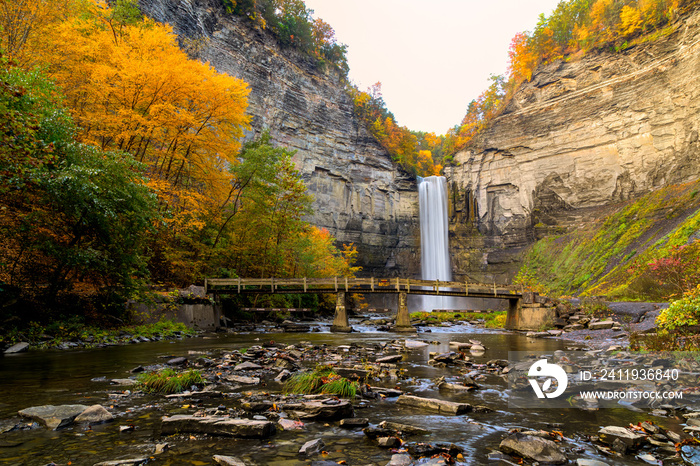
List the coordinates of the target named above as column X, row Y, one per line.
column 403, row 320
column 340, row 321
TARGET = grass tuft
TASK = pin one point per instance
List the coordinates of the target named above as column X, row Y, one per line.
column 168, row 381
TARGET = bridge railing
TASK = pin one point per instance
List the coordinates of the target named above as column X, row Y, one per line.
column 359, row 285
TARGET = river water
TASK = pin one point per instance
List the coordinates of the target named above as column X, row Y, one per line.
column 67, row 377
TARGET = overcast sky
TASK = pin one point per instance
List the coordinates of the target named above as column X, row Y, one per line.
column 432, row 57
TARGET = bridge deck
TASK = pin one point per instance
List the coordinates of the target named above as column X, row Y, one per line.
column 359, row 285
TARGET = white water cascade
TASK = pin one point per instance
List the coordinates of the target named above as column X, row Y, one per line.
column 434, row 243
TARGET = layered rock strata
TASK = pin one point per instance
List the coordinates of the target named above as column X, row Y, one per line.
column 587, row 132
column 360, row 195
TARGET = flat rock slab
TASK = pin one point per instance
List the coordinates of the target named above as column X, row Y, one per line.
column 400, row 459
column 228, row 460
column 354, row 422
column 611, row 433
column 433, row 404
column 402, row 428
column 243, row 380
column 53, row 417
column 126, row 462
column 411, row 344
column 217, row 425
column 247, row 366
column 321, row 410
column 388, row 359
column 534, row 448
column 17, row 348
column 602, row 325
column 94, row 415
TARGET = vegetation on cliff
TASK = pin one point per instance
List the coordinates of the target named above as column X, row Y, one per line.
column 574, row 28
column 294, row 26
column 121, row 164
column 647, row 249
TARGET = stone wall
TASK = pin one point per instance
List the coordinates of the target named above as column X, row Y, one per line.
column 589, row 132
column 361, row 196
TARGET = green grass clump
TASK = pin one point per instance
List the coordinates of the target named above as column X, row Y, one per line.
column 321, row 380
column 168, row 381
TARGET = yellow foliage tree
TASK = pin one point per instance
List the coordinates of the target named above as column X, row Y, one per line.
column 131, row 88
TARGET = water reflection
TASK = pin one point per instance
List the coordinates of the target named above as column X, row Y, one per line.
column 64, row 377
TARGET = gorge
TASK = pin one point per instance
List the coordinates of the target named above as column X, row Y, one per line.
column 584, row 134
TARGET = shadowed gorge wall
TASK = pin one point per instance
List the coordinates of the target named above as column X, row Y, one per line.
column 583, row 134
column 361, row 196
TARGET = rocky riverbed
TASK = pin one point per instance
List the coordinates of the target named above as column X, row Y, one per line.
column 436, row 400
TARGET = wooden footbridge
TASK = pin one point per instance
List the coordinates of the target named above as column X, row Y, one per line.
column 342, row 285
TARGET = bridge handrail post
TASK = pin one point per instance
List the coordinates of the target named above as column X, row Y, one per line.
column 205, row 286
column 371, row 283
column 272, row 284
column 494, row 288
column 304, row 284
column 437, row 286
column 346, row 284
column 335, row 279
column 239, row 285
column 398, row 287
column 408, row 285
column 466, row 287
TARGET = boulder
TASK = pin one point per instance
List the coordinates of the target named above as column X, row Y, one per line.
column 217, row 425
column 94, row 415
column 400, row 459
column 125, row 462
column 389, row 359
column 354, row 422
column 21, row 347
column 602, row 325
column 533, row 448
column 289, row 424
column 433, row 404
column 247, row 366
column 53, row 417
column 323, row 409
column 243, row 380
column 609, row 434
column 389, row 442
column 312, row 447
column 228, row 460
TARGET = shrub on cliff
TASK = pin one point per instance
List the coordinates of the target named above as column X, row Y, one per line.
column 684, row 312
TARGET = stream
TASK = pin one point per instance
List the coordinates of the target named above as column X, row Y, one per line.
column 81, row 377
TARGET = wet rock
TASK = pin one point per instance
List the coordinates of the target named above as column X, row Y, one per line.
column 289, row 424
column 282, row 376
column 53, row 417
column 123, row 382
column 354, row 422
column 631, row 439
column 413, row 344
column 321, row 410
column 401, row 459
column 387, row 392
column 402, row 428
column 389, row 359
column 21, row 347
column 243, row 380
column 433, row 404
column 430, row 449
column 534, row 448
column 247, row 366
column 312, row 447
column 647, row 458
column 161, row 448
column 125, row 462
column 177, row 362
column 228, row 460
column 95, row 414
column 537, row 334
column 589, row 462
column 377, row 432
column 602, row 325
column 459, row 346
column 389, row 442
column 217, row 425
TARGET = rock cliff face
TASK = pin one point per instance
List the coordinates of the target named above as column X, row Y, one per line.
column 361, row 196
column 583, row 134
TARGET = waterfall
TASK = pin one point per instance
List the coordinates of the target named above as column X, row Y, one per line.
column 434, row 243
